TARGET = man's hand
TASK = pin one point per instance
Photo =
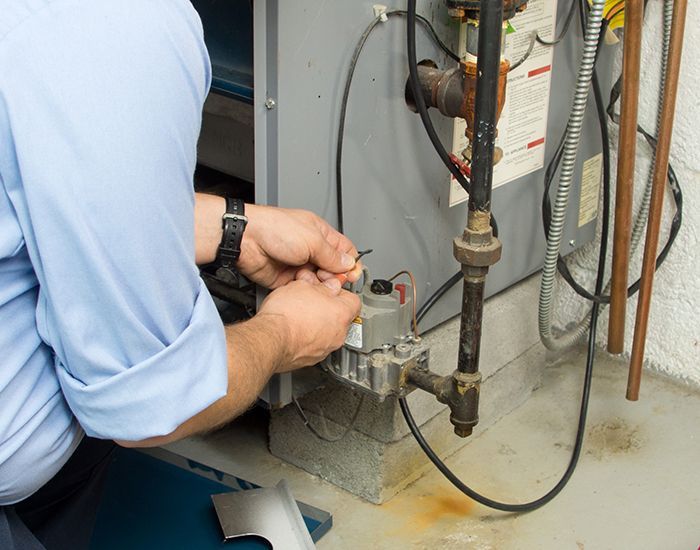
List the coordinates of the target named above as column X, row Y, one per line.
column 278, row 242
column 314, row 319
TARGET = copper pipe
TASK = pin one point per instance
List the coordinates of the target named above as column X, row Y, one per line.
column 657, row 198
column 631, row 58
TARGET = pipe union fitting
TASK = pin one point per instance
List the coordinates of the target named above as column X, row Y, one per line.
column 477, row 249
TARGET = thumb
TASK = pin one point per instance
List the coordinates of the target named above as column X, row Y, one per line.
column 329, row 258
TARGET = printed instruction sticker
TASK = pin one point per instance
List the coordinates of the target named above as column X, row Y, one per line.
column 590, row 187
column 523, row 124
column 354, row 337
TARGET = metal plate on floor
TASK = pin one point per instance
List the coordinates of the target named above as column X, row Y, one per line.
column 269, row 513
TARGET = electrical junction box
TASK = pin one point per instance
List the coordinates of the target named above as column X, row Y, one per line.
column 272, row 117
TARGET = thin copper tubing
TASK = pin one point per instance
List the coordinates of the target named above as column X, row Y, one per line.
column 631, row 58
column 657, row 198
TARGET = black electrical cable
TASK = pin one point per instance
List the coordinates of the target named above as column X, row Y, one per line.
column 341, row 136
column 529, row 506
column 578, row 445
column 346, row 94
column 564, row 30
column 676, row 223
column 526, row 55
column 422, row 108
column 420, row 100
column 673, row 185
column 536, row 37
column 439, row 293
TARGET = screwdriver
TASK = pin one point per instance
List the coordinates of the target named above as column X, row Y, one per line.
column 342, row 277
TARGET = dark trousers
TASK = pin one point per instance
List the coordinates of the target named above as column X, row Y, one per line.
column 61, row 515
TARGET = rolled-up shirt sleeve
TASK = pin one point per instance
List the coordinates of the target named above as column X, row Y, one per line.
column 104, row 109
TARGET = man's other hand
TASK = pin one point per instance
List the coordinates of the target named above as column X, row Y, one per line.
column 278, row 242
column 314, row 319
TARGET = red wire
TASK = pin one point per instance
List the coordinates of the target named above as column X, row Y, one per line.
column 463, row 166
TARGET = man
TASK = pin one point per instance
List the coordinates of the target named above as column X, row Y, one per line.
column 106, row 329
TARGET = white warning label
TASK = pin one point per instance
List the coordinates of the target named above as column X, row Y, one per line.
column 354, row 337
column 523, row 123
column 590, row 186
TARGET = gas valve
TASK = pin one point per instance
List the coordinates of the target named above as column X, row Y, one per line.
column 380, row 345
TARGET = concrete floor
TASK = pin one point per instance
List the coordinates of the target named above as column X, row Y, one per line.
column 637, row 484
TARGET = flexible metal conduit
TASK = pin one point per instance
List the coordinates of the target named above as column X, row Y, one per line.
column 581, row 329
column 573, row 135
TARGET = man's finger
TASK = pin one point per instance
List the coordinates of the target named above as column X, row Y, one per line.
column 334, row 284
column 331, row 259
column 324, row 275
column 351, row 276
column 307, row 275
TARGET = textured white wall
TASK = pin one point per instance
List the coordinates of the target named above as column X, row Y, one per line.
column 673, row 342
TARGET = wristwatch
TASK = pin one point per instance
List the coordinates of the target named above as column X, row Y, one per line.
column 233, row 223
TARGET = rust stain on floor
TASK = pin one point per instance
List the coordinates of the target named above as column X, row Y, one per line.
column 419, row 513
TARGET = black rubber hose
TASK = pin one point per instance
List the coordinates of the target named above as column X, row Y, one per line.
column 583, row 414
column 578, row 445
column 420, row 100
column 439, row 293
column 423, row 109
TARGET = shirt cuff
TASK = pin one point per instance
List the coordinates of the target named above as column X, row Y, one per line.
column 153, row 397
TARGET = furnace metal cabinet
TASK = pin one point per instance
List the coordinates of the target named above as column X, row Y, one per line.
column 272, row 117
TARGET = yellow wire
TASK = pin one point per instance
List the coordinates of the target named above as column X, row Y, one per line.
column 617, row 21
column 611, row 5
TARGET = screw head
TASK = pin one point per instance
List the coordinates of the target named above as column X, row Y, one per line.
column 270, row 103
column 402, row 351
column 572, row 243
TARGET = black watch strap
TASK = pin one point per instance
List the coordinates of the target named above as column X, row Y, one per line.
column 233, row 222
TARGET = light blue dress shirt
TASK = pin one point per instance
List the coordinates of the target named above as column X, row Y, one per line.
column 105, row 325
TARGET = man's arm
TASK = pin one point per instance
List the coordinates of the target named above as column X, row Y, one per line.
column 255, row 352
column 298, row 325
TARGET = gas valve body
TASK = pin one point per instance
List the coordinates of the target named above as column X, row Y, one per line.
column 380, row 346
